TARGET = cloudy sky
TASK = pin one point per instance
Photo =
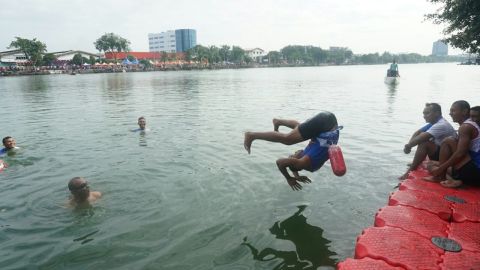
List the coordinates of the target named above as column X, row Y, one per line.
column 364, row 26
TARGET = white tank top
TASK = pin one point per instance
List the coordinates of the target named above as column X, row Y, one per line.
column 475, row 143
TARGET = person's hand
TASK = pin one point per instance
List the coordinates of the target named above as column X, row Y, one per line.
column 435, row 170
column 294, row 184
column 303, row 179
column 407, row 149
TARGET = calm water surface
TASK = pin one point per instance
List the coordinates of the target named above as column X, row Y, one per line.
column 186, row 195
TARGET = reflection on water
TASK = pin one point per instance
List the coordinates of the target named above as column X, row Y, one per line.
column 392, row 91
column 142, row 138
column 311, row 248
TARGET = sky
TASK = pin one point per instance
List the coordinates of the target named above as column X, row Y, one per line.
column 364, row 26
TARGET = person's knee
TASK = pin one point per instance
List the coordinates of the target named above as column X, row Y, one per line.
column 449, row 141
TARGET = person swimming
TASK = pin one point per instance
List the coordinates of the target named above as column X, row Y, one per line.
column 80, row 193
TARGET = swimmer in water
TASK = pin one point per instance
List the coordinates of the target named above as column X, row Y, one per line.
column 80, row 193
column 142, row 123
column 9, row 144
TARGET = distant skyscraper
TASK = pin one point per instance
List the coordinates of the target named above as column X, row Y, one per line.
column 439, row 48
column 179, row 40
column 186, row 39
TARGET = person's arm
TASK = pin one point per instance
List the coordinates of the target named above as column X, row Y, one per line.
column 464, row 138
column 417, row 138
column 297, row 164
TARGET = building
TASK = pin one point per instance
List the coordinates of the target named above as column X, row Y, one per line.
column 185, row 39
column 68, row 55
column 439, row 48
column 256, row 54
column 172, row 41
column 12, row 58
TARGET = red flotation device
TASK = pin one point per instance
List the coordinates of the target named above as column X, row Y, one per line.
column 336, row 160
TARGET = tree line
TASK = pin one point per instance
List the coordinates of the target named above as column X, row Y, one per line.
column 462, row 30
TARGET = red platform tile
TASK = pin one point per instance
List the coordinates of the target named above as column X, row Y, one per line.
column 464, row 260
column 467, row 234
column 366, row 264
column 466, row 212
column 412, row 220
column 418, row 184
column 430, row 202
column 398, row 248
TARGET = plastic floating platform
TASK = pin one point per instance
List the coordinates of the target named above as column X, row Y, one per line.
column 424, row 226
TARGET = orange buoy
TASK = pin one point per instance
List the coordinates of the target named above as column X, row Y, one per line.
column 336, row 160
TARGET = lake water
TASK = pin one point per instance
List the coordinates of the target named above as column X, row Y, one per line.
column 186, row 195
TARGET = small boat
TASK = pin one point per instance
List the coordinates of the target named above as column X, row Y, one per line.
column 392, row 80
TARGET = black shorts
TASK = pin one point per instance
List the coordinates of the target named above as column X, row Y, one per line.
column 322, row 122
column 436, row 155
column 468, row 173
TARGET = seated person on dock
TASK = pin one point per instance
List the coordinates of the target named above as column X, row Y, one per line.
column 462, row 153
column 313, row 156
column 428, row 138
column 9, row 144
column 81, row 194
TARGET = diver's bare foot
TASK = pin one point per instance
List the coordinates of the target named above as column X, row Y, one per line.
column 276, row 124
column 247, row 141
column 432, row 179
column 450, row 183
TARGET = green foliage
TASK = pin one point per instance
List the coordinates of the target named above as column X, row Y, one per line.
column 164, row 56
column 145, row 63
column 33, row 49
column 91, row 60
column 274, row 57
column 77, row 59
column 131, row 58
column 462, row 18
column 112, row 43
column 237, row 55
column 48, row 59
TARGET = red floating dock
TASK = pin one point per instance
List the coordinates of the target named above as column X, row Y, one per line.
column 417, row 213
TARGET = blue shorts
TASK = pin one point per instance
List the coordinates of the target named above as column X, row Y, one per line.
column 317, row 155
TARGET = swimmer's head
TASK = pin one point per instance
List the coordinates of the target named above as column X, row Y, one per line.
column 79, row 188
column 142, row 122
column 9, row 142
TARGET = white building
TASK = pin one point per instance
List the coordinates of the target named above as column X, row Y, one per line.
column 13, row 57
column 162, row 42
column 439, row 48
column 256, row 53
column 68, row 55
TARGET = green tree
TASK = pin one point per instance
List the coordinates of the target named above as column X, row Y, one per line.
column 238, row 55
column 145, row 63
column 91, row 60
column 462, row 19
column 164, row 57
column 33, row 49
column 77, row 59
column 112, row 43
column 274, row 57
column 225, row 53
column 48, row 59
column 130, row 58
